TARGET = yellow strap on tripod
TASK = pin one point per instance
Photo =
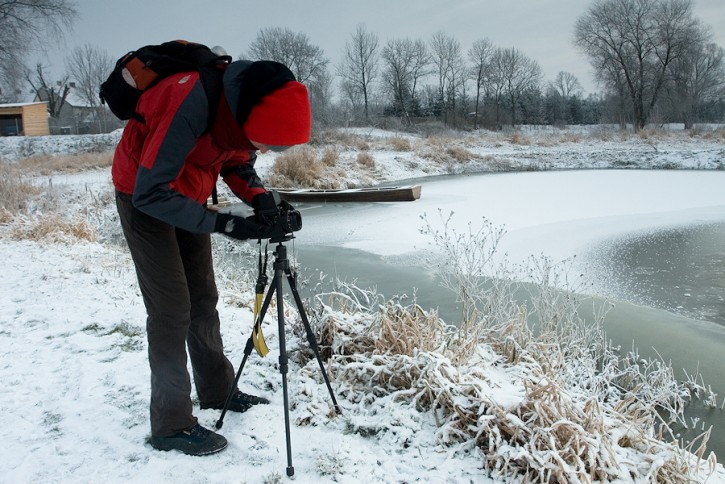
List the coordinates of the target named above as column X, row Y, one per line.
column 257, row 337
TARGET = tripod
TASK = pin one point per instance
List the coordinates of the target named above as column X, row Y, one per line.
column 281, row 267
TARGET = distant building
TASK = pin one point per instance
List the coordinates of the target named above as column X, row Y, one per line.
column 78, row 116
column 24, row 119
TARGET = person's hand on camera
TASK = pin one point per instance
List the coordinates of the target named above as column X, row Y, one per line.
column 266, row 208
column 285, row 206
column 237, row 227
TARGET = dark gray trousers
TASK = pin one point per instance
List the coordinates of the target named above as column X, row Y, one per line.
column 176, row 277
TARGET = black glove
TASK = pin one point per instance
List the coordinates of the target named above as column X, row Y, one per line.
column 237, row 227
column 265, row 207
column 285, row 206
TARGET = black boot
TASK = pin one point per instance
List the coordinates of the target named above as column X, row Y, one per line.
column 195, row 441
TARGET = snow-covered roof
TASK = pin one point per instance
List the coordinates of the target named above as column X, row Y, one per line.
column 75, row 99
column 19, row 105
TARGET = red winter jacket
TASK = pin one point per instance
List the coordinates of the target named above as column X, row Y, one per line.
column 170, row 162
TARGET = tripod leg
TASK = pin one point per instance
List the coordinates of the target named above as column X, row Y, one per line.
column 247, row 352
column 283, row 364
column 311, row 336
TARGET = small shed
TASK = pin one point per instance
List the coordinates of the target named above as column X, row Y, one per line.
column 24, row 119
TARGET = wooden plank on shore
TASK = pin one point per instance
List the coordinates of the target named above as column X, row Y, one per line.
column 370, row 194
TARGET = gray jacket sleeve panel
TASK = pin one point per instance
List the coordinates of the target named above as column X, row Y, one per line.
column 152, row 193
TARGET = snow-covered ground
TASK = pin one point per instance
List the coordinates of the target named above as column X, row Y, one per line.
column 74, row 404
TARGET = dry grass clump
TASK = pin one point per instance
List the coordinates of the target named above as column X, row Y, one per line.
column 407, row 330
column 364, row 158
column 5, row 216
column 650, row 134
column 548, row 435
column 459, row 153
column 49, row 165
column 399, row 144
column 571, row 138
column 53, row 228
column 341, row 138
column 15, row 191
column 716, row 134
column 518, row 138
column 297, row 167
column 602, row 134
column 330, row 156
column 440, row 142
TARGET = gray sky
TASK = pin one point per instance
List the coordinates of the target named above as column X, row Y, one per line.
column 541, row 29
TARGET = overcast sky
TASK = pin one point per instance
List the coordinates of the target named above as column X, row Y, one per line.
column 541, row 29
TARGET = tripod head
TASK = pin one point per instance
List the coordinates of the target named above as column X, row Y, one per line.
column 278, row 239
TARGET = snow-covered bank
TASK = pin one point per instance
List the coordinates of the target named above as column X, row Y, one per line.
column 75, row 395
column 74, row 354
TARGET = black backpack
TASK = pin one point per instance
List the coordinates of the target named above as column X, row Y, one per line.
column 141, row 69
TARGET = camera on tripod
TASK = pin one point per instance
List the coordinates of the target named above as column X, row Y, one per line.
column 281, row 223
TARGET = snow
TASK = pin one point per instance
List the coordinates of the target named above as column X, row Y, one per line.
column 74, row 404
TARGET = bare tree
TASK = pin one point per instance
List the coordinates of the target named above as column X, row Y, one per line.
column 561, row 93
column 89, row 66
column 405, row 63
column 636, row 41
column 447, row 58
column 567, row 85
column 306, row 61
column 359, row 66
column 480, row 56
column 696, row 79
column 293, row 49
column 420, row 65
column 54, row 94
column 517, row 74
column 496, row 83
column 25, row 25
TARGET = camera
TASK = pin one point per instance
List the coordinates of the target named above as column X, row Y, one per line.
column 282, row 223
column 290, row 220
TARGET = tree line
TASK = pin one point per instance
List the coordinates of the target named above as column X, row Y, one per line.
column 654, row 61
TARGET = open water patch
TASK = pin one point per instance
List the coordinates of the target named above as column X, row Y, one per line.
column 681, row 270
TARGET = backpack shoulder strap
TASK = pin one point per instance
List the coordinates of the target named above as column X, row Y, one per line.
column 211, row 78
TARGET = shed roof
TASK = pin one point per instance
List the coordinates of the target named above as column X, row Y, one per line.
column 19, row 105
